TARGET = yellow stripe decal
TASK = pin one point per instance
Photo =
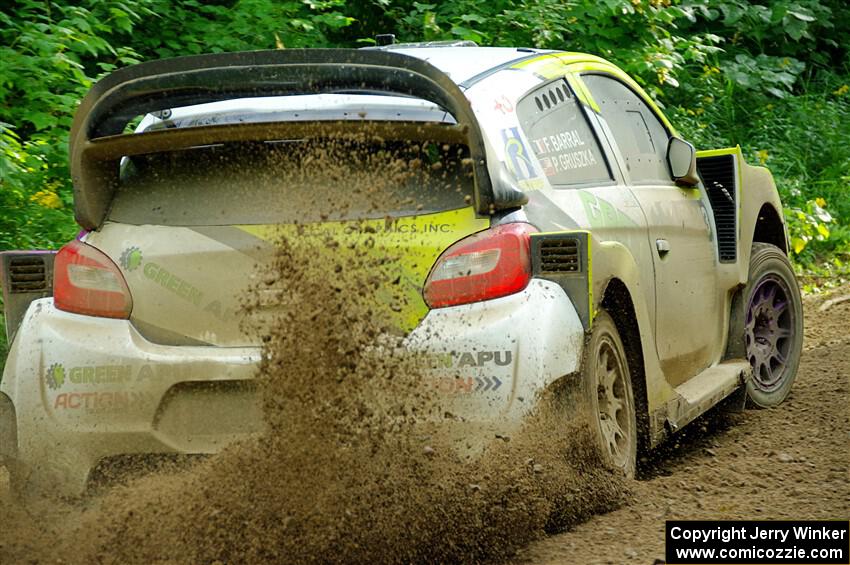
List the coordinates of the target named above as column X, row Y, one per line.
column 413, row 242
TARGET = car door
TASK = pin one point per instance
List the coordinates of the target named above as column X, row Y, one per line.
column 688, row 320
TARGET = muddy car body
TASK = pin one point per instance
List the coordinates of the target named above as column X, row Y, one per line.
column 614, row 256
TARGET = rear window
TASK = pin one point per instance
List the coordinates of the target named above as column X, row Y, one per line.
column 292, row 181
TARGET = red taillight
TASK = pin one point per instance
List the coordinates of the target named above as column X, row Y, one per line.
column 489, row 264
column 86, row 281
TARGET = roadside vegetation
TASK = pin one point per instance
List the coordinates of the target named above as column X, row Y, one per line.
column 772, row 76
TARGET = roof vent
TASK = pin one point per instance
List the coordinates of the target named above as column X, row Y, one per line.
column 548, row 99
column 393, row 45
column 385, row 39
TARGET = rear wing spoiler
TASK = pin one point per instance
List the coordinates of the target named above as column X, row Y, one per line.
column 26, row 276
column 98, row 139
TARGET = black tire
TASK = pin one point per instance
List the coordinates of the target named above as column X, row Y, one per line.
column 610, row 400
column 772, row 325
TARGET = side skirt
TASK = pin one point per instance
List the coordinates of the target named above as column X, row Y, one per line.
column 697, row 395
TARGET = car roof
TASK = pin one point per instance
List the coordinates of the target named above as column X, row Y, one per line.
column 462, row 63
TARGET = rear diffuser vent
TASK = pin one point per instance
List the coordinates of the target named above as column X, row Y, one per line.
column 28, row 274
column 718, row 177
column 560, row 255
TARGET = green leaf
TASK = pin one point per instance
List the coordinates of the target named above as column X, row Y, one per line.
column 41, row 120
column 801, row 16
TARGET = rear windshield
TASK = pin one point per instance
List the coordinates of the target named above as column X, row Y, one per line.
column 292, row 181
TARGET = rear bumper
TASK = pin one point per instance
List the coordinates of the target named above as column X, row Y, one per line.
column 492, row 359
column 84, row 389
column 87, row 388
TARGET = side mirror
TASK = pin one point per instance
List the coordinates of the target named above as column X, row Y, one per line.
column 682, row 160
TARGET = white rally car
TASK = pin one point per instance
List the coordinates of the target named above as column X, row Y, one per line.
column 573, row 236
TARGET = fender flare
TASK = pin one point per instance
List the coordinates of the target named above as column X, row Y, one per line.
column 612, row 260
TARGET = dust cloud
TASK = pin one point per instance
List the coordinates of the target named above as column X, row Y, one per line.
column 354, row 464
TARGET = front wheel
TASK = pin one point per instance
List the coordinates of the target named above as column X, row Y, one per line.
column 608, row 392
column 773, row 325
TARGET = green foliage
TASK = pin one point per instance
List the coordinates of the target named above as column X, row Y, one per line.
column 771, row 76
column 806, row 224
column 51, row 52
column 192, row 26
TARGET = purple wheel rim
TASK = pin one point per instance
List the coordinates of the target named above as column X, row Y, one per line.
column 769, row 332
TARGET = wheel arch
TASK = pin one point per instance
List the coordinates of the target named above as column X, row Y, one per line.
column 761, row 218
column 769, row 228
column 613, row 261
column 617, row 301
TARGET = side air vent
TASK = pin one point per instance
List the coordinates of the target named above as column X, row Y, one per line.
column 564, row 258
column 27, row 274
column 718, row 177
column 560, row 255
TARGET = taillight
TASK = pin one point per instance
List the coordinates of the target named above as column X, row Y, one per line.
column 86, row 281
column 489, row 264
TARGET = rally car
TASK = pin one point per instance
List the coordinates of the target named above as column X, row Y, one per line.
column 577, row 239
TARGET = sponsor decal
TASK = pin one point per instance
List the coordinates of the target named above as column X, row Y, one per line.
column 101, row 402
column 467, row 385
column 399, row 227
column 517, row 157
column 503, row 105
column 55, row 376
column 390, row 226
column 58, row 376
column 601, row 213
column 100, row 374
column 131, row 258
column 461, row 359
column 562, row 152
column 466, row 359
column 172, row 283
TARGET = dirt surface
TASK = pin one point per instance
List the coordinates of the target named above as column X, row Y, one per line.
column 376, row 492
column 792, row 462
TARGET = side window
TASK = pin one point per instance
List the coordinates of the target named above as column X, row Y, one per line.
column 560, row 136
column 638, row 132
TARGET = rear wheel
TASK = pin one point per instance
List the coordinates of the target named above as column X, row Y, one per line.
column 773, row 325
column 608, row 392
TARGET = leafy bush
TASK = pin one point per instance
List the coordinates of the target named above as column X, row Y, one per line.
column 770, row 76
column 807, row 224
column 52, row 52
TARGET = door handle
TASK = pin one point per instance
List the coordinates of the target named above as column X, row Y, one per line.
column 663, row 247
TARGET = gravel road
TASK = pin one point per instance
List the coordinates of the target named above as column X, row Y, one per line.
column 792, row 462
